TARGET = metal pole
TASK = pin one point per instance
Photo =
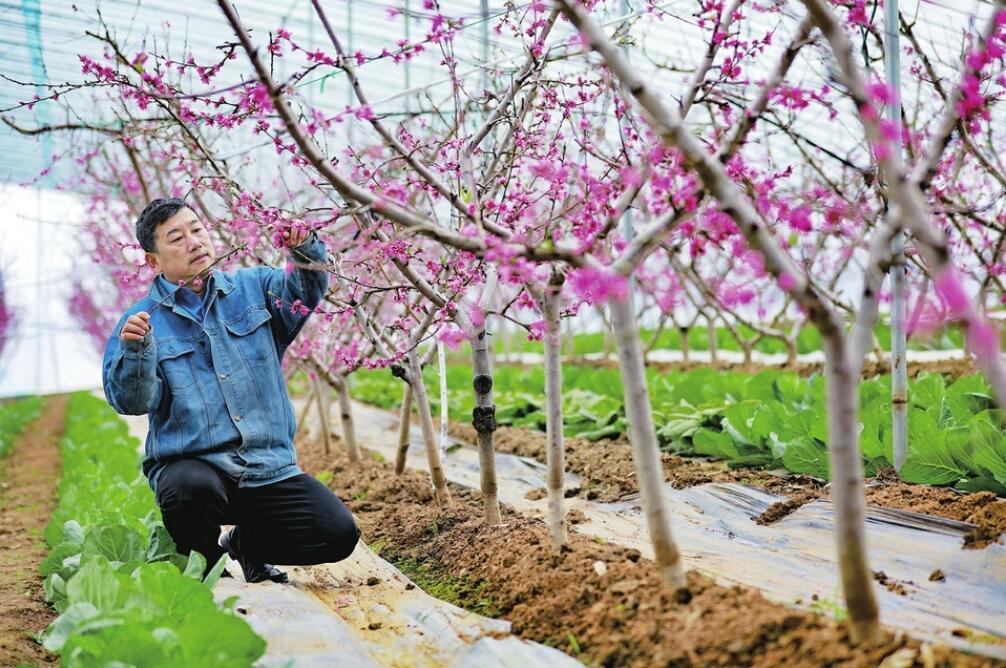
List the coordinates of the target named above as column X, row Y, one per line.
column 899, row 362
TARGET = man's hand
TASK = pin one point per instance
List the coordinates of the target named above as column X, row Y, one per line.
column 136, row 327
column 293, row 238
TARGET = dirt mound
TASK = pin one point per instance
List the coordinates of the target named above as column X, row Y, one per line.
column 28, row 478
column 609, row 474
column 599, row 602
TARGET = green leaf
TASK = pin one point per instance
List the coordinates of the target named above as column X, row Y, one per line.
column 927, row 391
column 219, row 639
column 67, row 624
column 213, row 576
column 930, row 464
column 196, row 565
column 716, row 444
column 100, row 585
column 982, row 484
column 116, row 543
column 737, row 420
column 806, row 455
column 164, row 591
column 160, row 544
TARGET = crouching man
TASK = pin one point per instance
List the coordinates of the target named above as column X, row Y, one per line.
column 203, row 363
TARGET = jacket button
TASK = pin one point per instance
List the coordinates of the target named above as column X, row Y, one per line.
column 222, row 376
column 237, row 418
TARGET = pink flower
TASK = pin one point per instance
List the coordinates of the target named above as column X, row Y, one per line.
column 452, row 337
column 536, row 331
column 596, row 286
column 787, row 281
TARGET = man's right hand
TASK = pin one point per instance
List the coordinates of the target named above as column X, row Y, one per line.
column 136, row 327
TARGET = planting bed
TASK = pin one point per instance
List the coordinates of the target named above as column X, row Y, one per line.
column 598, row 601
column 715, row 521
column 28, row 477
column 608, row 474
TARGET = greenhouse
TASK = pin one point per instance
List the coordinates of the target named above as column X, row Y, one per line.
column 503, row 333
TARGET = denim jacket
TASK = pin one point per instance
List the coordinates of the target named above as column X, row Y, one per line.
column 214, row 389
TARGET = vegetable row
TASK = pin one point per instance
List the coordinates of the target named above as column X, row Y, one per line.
column 124, row 594
column 14, row 416
column 773, row 419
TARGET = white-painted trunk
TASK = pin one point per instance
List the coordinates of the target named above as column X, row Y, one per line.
column 643, row 437
column 404, row 428
column 484, row 421
column 436, row 467
column 555, row 456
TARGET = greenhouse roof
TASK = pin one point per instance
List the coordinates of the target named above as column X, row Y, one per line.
column 41, row 42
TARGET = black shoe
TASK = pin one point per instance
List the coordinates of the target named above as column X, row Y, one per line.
column 254, row 571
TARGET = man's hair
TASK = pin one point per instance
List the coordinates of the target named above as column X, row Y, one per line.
column 155, row 213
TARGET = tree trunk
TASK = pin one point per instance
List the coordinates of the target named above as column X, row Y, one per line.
column 847, row 490
column 643, row 437
column 444, row 404
column 443, row 495
column 555, row 456
column 346, row 417
column 311, row 399
column 713, row 342
column 484, row 421
column 404, row 428
column 325, row 408
column 683, row 338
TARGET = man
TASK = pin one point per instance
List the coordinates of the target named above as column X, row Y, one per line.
column 203, row 362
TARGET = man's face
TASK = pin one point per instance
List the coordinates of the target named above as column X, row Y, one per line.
column 184, row 247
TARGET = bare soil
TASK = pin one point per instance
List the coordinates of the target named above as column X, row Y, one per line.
column 952, row 369
column 29, row 475
column 601, row 603
column 609, row 474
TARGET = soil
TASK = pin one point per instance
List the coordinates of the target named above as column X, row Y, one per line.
column 29, row 475
column 952, row 369
column 609, row 474
column 599, row 602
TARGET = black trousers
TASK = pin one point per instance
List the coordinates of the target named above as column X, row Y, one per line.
column 297, row 521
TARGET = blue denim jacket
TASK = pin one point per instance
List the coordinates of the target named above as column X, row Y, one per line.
column 214, row 389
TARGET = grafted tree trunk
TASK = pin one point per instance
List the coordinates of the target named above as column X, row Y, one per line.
column 484, row 421
column 444, row 403
column 325, row 408
column 312, row 397
column 404, row 427
column 847, row 486
column 643, row 437
column 346, row 418
column 443, row 495
column 555, row 456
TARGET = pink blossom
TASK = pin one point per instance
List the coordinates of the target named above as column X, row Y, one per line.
column 596, row 286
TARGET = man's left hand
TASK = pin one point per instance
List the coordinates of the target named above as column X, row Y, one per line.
column 293, row 238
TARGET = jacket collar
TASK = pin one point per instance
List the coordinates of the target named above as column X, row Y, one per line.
column 159, row 292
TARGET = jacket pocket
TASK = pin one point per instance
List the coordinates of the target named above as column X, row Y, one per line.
column 253, row 339
column 175, row 361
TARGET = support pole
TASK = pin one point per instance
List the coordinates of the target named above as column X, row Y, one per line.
column 899, row 343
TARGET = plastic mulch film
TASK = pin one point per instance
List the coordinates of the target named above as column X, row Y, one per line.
column 792, row 561
column 363, row 612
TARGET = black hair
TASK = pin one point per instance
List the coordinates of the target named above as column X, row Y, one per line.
column 155, row 213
